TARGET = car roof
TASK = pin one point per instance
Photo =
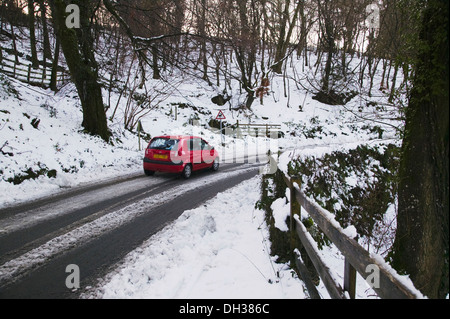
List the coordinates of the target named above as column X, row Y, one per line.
column 177, row 137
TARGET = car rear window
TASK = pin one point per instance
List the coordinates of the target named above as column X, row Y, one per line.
column 164, row 144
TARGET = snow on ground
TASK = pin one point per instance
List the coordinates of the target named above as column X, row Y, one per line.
column 88, row 231
column 219, row 250
column 57, row 143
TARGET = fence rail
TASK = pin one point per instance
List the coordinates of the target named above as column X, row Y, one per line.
column 258, row 129
column 26, row 73
column 389, row 284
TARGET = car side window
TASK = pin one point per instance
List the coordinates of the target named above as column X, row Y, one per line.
column 197, row 144
column 205, row 145
column 194, row 144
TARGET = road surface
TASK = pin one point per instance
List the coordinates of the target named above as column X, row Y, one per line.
column 94, row 227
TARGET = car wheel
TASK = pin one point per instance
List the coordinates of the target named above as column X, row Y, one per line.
column 187, row 172
column 215, row 166
column 149, row 173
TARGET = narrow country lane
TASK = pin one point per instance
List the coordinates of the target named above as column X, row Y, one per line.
column 95, row 227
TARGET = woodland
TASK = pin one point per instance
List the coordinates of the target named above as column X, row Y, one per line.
column 251, row 40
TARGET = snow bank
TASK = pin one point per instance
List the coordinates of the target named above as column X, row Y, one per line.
column 219, row 250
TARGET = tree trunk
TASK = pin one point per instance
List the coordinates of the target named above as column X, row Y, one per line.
column 203, row 59
column 421, row 247
column 326, row 78
column 78, row 50
column 54, row 76
column 245, row 51
column 329, row 43
column 34, row 57
column 46, row 39
column 280, row 49
column 14, row 44
column 155, row 67
column 284, row 39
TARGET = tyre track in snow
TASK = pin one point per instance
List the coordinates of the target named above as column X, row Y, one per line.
column 31, row 227
column 95, row 234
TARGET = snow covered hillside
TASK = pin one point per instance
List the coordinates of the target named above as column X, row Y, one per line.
column 41, row 133
column 202, row 255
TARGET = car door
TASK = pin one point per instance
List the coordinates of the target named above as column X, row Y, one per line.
column 207, row 154
column 195, row 152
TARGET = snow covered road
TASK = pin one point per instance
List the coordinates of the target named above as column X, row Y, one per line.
column 96, row 228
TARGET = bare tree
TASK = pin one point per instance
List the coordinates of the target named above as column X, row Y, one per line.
column 79, row 53
column 287, row 25
column 422, row 239
column 31, row 17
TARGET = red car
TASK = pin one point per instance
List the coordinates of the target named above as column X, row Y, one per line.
column 179, row 154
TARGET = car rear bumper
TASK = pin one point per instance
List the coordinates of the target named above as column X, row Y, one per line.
column 160, row 166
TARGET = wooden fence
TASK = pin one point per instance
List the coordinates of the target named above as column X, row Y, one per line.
column 386, row 282
column 258, row 129
column 26, row 73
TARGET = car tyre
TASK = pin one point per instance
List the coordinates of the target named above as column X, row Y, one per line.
column 187, row 171
column 149, row 173
column 215, row 166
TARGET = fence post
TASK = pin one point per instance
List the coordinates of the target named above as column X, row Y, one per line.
column 295, row 208
column 44, row 75
column 139, row 129
column 349, row 279
column 29, row 73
